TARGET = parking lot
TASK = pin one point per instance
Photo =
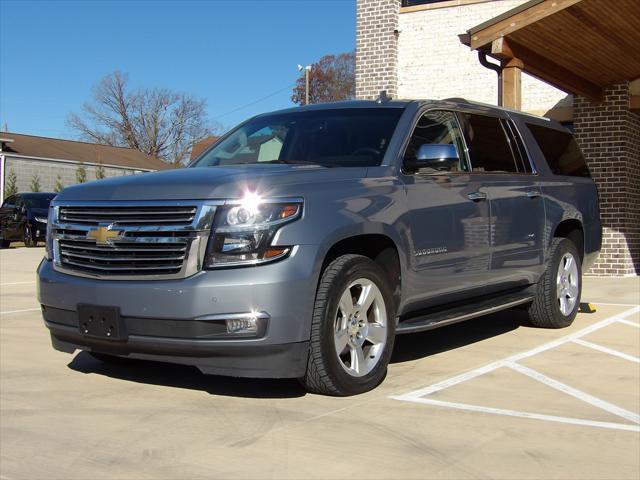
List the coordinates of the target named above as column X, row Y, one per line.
column 489, row 398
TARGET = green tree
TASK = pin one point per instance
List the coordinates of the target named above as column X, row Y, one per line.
column 81, row 173
column 100, row 173
column 58, row 186
column 35, row 183
column 12, row 184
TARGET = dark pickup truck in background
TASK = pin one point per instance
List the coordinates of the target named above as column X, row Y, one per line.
column 304, row 240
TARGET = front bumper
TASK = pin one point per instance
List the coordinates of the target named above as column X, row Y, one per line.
column 170, row 320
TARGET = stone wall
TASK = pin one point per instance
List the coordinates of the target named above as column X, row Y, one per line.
column 609, row 136
column 48, row 170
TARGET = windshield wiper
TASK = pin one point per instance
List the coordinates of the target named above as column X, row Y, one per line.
column 295, row 162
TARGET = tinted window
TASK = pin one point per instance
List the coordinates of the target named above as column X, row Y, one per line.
column 38, row 200
column 332, row 138
column 489, row 149
column 9, row 202
column 561, row 151
column 437, row 127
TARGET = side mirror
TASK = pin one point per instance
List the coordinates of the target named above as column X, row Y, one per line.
column 438, row 156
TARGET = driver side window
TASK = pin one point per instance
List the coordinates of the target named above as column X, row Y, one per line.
column 438, row 128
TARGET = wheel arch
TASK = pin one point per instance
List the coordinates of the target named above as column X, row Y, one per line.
column 378, row 246
column 571, row 229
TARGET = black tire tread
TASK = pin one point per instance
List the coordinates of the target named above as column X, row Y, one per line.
column 316, row 378
column 543, row 311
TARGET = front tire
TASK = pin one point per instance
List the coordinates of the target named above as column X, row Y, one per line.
column 27, row 237
column 352, row 330
column 557, row 299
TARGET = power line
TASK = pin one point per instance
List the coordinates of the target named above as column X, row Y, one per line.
column 255, row 101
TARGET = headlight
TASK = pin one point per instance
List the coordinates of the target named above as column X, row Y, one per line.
column 243, row 231
column 49, row 239
column 41, row 219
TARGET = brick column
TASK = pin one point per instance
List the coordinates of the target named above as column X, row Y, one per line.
column 609, row 135
column 376, row 48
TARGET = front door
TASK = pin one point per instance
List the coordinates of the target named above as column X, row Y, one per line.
column 447, row 221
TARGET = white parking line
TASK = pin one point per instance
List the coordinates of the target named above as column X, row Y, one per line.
column 7, row 312
column 16, row 283
column 533, row 416
column 610, row 351
column 574, row 392
column 417, row 396
column 630, row 323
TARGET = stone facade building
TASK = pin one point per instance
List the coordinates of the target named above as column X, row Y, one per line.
column 52, row 160
column 413, row 49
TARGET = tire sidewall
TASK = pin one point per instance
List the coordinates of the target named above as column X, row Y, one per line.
column 564, row 246
column 356, row 268
column 27, row 237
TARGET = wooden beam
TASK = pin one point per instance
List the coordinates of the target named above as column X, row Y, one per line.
column 512, row 84
column 508, row 25
column 541, row 67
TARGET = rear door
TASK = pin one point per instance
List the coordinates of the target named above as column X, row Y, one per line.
column 498, row 155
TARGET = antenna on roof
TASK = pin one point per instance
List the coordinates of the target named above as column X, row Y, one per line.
column 383, row 97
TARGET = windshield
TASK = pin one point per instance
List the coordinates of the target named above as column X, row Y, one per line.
column 38, row 200
column 355, row 137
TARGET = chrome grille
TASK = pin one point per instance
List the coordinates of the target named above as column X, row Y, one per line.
column 150, row 240
column 141, row 215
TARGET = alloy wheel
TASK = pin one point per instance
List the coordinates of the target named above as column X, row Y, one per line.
column 360, row 327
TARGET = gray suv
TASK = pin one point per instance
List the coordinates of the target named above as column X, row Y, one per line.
column 304, row 240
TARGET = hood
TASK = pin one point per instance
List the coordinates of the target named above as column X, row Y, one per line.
column 38, row 212
column 209, row 183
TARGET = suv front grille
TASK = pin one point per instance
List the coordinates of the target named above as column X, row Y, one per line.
column 125, row 258
column 116, row 241
column 144, row 215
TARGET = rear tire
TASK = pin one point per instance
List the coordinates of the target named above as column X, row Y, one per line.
column 557, row 298
column 352, row 330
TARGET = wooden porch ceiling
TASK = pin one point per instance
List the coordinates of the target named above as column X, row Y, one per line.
column 581, row 46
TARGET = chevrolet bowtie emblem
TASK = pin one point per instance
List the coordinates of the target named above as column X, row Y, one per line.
column 103, row 236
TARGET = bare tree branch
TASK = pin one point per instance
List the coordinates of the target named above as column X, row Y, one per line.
column 158, row 122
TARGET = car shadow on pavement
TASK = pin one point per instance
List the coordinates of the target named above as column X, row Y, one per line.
column 407, row 348
column 420, row 345
column 183, row 376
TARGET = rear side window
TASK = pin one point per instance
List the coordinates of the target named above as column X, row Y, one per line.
column 489, row 147
column 561, row 151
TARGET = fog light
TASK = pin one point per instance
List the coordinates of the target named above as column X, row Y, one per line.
column 243, row 325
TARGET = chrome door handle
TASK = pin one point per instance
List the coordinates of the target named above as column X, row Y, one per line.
column 477, row 196
column 533, row 194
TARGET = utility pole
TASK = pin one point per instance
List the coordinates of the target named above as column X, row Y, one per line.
column 306, row 69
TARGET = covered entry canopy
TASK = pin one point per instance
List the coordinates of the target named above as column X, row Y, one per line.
column 580, row 46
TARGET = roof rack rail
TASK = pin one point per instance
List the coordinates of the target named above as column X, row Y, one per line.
column 383, row 97
column 456, row 99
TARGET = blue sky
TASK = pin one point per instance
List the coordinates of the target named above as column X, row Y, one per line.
column 229, row 52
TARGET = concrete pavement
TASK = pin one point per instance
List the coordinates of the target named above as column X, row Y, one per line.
column 459, row 402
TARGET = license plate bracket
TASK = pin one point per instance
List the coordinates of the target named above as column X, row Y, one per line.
column 101, row 322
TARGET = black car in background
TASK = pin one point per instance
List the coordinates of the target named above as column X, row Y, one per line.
column 23, row 218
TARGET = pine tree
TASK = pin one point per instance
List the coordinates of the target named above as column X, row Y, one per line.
column 81, row 173
column 12, row 184
column 100, row 173
column 58, row 186
column 35, row 183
